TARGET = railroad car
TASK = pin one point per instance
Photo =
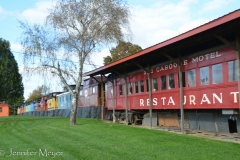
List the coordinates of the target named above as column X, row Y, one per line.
column 43, row 103
column 90, row 93
column 22, row 109
column 64, row 100
column 37, row 105
column 4, row 109
column 31, row 106
column 52, row 102
column 210, row 88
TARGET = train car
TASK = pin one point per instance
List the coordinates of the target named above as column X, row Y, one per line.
column 210, row 84
column 52, row 102
column 31, row 106
column 43, row 103
column 4, row 109
column 37, row 105
column 22, row 109
column 90, row 93
column 26, row 108
column 64, row 100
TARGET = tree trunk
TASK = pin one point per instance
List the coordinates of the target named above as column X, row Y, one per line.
column 74, row 110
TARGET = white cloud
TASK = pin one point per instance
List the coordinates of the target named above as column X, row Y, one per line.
column 214, row 5
column 16, row 47
column 191, row 25
column 38, row 13
column 160, row 21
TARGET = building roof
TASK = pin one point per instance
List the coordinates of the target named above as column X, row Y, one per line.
column 192, row 39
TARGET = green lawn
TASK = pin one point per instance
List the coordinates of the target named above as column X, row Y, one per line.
column 42, row 137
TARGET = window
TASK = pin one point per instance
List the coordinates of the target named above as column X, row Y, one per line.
column 136, row 87
column 204, row 75
column 81, row 93
column 112, row 92
column 141, row 86
column 155, row 84
column 217, row 74
column 147, row 85
column 120, row 89
column 93, row 90
column 232, row 71
column 183, row 80
column 0, row 109
column 130, row 87
column 171, row 82
column 191, row 78
column 163, row 83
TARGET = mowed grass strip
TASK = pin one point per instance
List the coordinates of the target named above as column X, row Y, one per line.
column 52, row 137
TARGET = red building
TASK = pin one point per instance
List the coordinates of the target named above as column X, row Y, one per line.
column 190, row 80
column 4, row 109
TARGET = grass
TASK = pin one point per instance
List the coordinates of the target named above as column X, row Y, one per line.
column 93, row 139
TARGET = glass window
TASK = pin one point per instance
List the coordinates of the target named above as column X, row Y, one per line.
column 147, row 85
column 93, row 90
column 81, row 93
column 141, row 86
column 136, row 87
column 130, row 87
column 204, row 75
column 112, row 92
column 155, row 84
column 163, row 83
column 191, row 77
column 232, row 71
column 171, row 82
column 183, row 80
column 217, row 74
column 120, row 89
column 0, row 109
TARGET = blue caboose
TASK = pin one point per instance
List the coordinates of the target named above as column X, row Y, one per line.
column 64, row 100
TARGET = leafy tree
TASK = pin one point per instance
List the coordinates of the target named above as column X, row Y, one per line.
column 123, row 49
column 11, row 88
column 38, row 93
column 74, row 30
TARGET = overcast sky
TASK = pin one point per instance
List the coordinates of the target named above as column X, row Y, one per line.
column 152, row 22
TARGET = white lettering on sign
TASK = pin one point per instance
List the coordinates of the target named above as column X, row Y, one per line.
column 163, row 99
column 216, row 97
column 235, row 96
column 171, row 101
column 186, row 62
column 205, row 99
column 155, row 101
column 192, row 99
column 141, row 102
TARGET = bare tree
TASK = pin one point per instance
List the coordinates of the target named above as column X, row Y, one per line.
column 74, row 30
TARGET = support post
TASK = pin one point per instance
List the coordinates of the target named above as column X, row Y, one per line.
column 150, row 94
column 113, row 100
column 238, row 62
column 181, row 93
column 126, row 100
column 102, row 98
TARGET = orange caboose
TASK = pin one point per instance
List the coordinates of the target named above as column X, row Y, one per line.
column 4, row 109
